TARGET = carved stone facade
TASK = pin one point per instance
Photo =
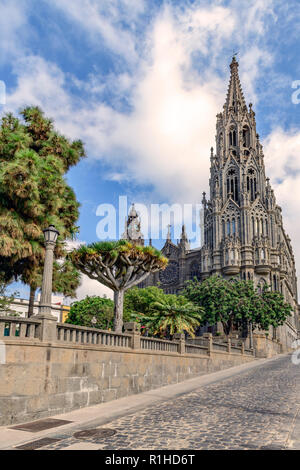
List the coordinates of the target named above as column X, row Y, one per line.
column 243, row 230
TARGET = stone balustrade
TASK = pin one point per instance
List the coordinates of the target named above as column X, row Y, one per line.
column 82, row 335
column 23, row 328
column 159, row 344
column 195, row 349
column 38, row 330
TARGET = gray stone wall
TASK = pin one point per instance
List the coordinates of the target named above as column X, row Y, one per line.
column 43, row 379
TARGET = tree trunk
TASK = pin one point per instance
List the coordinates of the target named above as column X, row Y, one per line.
column 31, row 301
column 118, row 310
column 227, row 328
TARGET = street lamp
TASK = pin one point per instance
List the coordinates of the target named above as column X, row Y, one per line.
column 50, row 235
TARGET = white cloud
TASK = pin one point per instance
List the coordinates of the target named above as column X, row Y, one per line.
column 88, row 286
column 165, row 140
column 283, row 168
column 282, row 158
column 91, row 287
column 12, row 18
column 104, row 20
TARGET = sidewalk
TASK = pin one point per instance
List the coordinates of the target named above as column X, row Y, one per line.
column 104, row 413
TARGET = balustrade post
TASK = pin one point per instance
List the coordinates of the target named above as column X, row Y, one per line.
column 229, row 345
column 243, row 348
column 133, row 329
column 181, row 345
column 208, row 337
column 48, row 328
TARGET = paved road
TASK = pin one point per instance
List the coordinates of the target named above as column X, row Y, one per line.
column 256, row 409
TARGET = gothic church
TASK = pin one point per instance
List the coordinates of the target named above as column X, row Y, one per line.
column 243, row 231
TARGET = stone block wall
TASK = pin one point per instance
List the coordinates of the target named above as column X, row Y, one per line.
column 40, row 379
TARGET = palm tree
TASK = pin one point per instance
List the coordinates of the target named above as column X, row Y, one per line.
column 173, row 314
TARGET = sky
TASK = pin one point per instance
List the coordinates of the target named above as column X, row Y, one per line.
column 141, row 82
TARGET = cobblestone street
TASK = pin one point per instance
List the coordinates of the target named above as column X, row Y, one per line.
column 256, row 409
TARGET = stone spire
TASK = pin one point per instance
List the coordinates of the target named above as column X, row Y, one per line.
column 169, row 233
column 184, row 241
column 235, row 97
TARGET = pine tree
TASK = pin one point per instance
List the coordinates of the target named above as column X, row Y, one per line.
column 34, row 159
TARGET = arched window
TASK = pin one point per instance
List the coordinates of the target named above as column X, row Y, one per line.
column 246, row 137
column 251, row 183
column 232, row 137
column 232, row 185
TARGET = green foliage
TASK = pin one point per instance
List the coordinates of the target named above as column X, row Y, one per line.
column 272, row 310
column 83, row 311
column 114, row 250
column 138, row 301
column 236, row 303
column 34, row 158
column 162, row 314
column 6, row 300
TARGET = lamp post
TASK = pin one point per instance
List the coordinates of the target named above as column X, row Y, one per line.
column 50, row 235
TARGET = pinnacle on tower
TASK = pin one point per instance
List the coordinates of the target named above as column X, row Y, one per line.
column 235, row 95
column 184, row 241
column 169, row 233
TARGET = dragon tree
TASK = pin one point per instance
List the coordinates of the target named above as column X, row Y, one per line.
column 118, row 265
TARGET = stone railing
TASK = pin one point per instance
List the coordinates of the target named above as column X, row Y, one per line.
column 45, row 329
column 159, row 344
column 195, row 349
column 23, row 328
column 83, row 335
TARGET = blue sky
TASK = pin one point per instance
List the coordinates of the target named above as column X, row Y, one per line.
column 140, row 82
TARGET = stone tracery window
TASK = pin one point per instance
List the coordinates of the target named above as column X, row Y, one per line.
column 232, row 184
column 251, row 183
column 232, row 137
